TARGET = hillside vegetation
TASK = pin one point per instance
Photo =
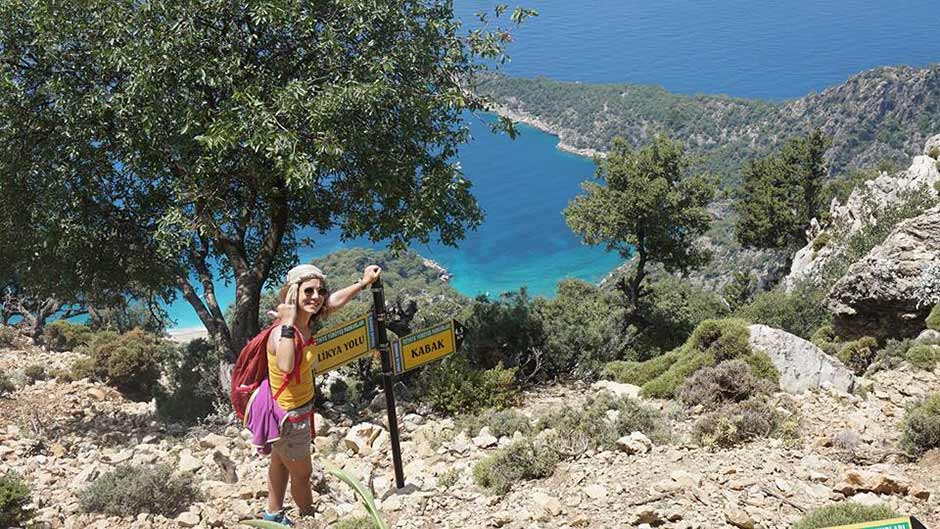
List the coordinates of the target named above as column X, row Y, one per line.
column 882, row 114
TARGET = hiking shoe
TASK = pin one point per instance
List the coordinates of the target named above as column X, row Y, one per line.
column 277, row 517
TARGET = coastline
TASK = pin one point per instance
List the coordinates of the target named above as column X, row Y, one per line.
column 187, row 334
column 537, row 123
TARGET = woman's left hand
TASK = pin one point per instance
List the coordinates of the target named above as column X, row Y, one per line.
column 370, row 274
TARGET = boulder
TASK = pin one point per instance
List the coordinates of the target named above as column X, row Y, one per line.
column 882, row 294
column 932, row 147
column 359, row 438
column 635, row 443
column 801, row 364
column 616, row 388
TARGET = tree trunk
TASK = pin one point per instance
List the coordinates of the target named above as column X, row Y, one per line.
column 245, row 320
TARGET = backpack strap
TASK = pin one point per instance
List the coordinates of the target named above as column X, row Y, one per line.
column 295, row 372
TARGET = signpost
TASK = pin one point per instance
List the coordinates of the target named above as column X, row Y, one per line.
column 907, row 522
column 339, row 345
column 427, row 345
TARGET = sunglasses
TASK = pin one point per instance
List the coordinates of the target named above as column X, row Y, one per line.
column 310, row 290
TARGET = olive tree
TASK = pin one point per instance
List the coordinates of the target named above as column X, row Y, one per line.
column 198, row 137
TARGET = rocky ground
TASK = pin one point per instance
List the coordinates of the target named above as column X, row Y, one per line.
column 61, row 436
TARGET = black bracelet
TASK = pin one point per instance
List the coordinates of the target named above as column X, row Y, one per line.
column 287, row 331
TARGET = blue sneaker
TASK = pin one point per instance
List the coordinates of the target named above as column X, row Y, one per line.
column 277, row 517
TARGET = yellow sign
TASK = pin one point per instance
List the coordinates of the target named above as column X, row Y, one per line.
column 426, row 345
column 894, row 523
column 344, row 343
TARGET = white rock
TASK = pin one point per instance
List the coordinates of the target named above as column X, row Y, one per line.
column 869, row 499
column 213, row 440
column 485, row 439
column 597, row 492
column 188, row 463
column 801, row 364
column 359, row 438
column 618, row 389
column 321, row 424
column 635, row 443
column 188, row 519
column 549, row 503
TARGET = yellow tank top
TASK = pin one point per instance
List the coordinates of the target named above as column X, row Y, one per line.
column 296, row 394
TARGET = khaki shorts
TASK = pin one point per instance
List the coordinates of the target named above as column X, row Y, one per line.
column 295, row 439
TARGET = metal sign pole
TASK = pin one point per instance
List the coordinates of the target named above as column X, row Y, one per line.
column 388, row 378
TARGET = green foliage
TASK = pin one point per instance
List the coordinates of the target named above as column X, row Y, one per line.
column 7, row 335
column 6, row 385
column 924, row 356
column 639, row 373
column 921, row 426
column 500, row 423
column 363, row 493
column 841, row 186
column 821, row 241
column 519, row 461
column 580, row 328
column 670, row 312
column 223, row 129
column 728, row 382
column 354, row 522
column 130, row 362
column 79, row 369
column 504, row 332
column 590, row 426
column 131, row 489
column 14, row 496
column 933, row 320
column 736, row 423
column 712, row 342
column 739, row 290
column 934, row 153
column 35, row 373
column 448, row 479
column 857, row 355
column 648, row 205
column 780, row 193
column 801, row 312
column 62, row 335
column 825, row 338
column 454, row 386
column 192, row 389
column 846, row 513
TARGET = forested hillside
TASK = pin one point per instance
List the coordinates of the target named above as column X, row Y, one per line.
column 884, row 114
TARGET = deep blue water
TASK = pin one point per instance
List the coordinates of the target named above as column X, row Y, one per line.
column 751, row 48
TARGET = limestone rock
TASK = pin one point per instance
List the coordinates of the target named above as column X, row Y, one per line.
column 213, row 440
column 739, row 518
column 635, row 443
column 928, row 336
column 359, row 438
column 932, row 146
column 485, row 439
column 618, row 389
column 880, row 294
column 188, row 519
column 188, row 463
column 549, row 503
column 801, row 364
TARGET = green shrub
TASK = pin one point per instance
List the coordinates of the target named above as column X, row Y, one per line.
column 847, row 513
column 35, row 373
column 639, row 373
column 821, row 241
column 921, row 426
column 354, row 522
column 857, row 355
column 825, row 338
column 6, row 385
column 130, row 362
column 14, row 496
column 934, row 153
column 736, row 423
column 62, row 335
column 453, row 386
column 131, row 489
column 933, row 319
column 590, row 426
column 672, row 309
column 580, row 328
column 739, row 290
column 7, row 335
column 924, row 356
column 763, row 367
column 79, row 369
column 193, row 383
column 448, row 479
column 712, row 342
column 800, row 312
column 729, row 381
column 500, row 423
column 519, row 461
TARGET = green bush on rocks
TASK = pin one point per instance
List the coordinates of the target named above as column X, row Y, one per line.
column 130, row 362
column 521, row 460
column 131, row 489
column 736, row 423
column 921, row 426
column 924, row 356
column 933, row 319
column 857, row 355
column 14, row 496
column 453, row 386
column 728, row 382
column 7, row 335
column 62, row 335
column 847, row 513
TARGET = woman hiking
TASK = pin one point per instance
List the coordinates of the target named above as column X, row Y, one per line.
column 304, row 298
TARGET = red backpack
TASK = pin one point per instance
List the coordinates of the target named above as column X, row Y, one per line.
column 251, row 369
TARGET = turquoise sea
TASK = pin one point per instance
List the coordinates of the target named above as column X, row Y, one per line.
column 754, row 48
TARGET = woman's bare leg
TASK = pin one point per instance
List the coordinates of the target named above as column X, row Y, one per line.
column 277, row 482
column 300, row 470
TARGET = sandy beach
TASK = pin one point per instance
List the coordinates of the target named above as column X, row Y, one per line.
column 187, row 334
